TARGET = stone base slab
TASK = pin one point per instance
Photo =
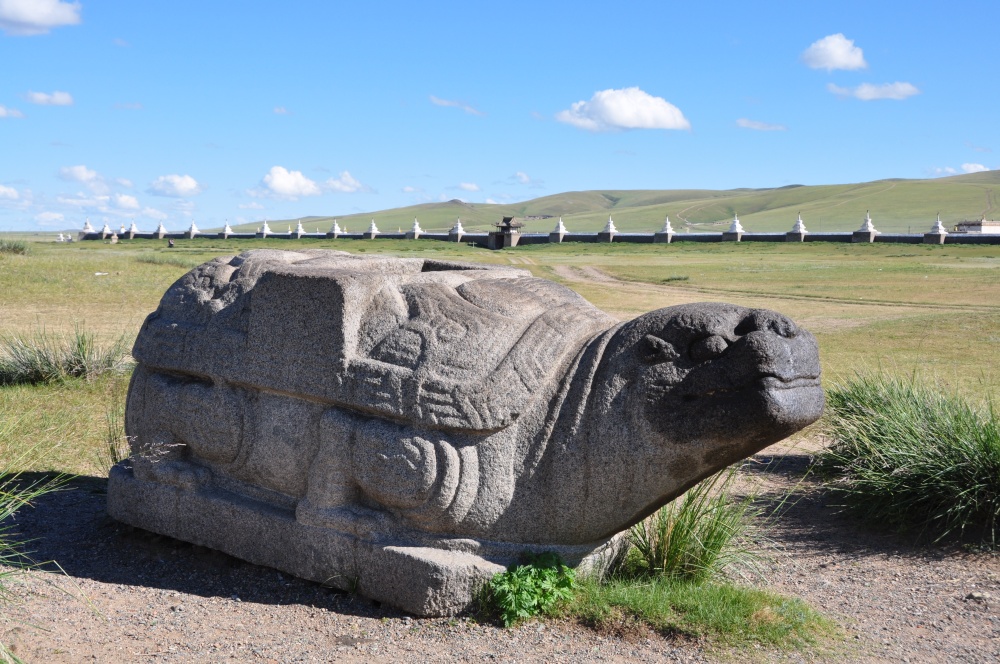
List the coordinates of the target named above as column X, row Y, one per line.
column 436, row 580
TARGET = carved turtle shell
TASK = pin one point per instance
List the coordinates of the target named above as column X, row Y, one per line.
column 438, row 344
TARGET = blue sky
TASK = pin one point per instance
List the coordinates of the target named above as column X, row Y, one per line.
column 173, row 111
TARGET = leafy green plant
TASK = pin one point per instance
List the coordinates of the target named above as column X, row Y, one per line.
column 697, row 536
column 674, row 277
column 911, row 455
column 44, row 358
column 13, row 247
column 535, row 586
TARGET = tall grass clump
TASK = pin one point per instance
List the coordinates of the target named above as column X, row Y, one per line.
column 911, row 455
column 698, row 536
column 13, row 247
column 43, row 358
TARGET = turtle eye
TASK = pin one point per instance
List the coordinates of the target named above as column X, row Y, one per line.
column 659, row 350
column 708, row 348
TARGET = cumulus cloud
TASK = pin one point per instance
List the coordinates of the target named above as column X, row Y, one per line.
column 490, row 201
column 870, row 91
column 468, row 186
column 153, row 213
column 175, row 186
column 834, row 52
column 628, row 108
column 759, row 126
column 283, row 183
column 9, row 193
column 49, row 218
column 345, row 183
column 411, row 190
column 974, row 168
column 281, row 110
column 89, row 178
column 125, row 202
column 437, row 101
column 124, row 182
column 10, row 112
column 57, row 98
column 36, row 17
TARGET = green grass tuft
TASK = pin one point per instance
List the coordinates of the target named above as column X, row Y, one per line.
column 698, row 536
column 13, row 247
column 46, row 358
column 911, row 455
column 187, row 262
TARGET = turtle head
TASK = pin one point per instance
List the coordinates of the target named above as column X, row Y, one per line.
column 724, row 379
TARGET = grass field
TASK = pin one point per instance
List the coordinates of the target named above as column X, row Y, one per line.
column 933, row 310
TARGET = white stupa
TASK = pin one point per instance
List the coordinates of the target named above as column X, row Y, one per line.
column 265, row 230
column 193, row 230
column 736, row 226
column 105, row 230
column 457, row 228
column 335, row 229
column 560, row 227
column 939, row 228
column 87, row 228
column 133, row 228
column 416, row 229
column 868, row 226
column 299, row 230
column 667, row 228
column 372, row 228
column 228, row 230
column 799, row 226
column 610, row 226
column 161, row 230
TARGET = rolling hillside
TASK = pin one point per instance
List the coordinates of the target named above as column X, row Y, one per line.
column 896, row 205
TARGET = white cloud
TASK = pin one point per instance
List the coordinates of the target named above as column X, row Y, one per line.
column 153, row 213
column 49, row 218
column 468, row 186
column 124, row 182
column 834, row 52
column 628, row 108
column 281, row 110
column 411, row 190
column 36, row 17
column 89, row 178
column 10, row 112
column 760, row 126
column 9, row 193
column 522, row 177
column 345, row 183
column 437, row 101
column 252, row 205
column 490, row 201
column 974, row 168
column 125, row 202
column 56, row 98
column 945, row 170
column 870, row 91
column 175, row 186
column 283, row 183
column 82, row 201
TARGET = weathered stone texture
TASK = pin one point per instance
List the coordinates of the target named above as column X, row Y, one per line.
column 408, row 426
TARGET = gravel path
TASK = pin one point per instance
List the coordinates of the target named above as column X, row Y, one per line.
column 130, row 596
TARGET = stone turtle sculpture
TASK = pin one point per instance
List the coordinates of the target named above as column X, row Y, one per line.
column 407, row 426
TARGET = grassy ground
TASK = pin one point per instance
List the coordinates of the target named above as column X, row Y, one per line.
column 928, row 309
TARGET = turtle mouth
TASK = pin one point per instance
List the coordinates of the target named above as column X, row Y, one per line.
column 763, row 383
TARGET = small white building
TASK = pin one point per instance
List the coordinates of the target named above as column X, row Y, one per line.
column 983, row 226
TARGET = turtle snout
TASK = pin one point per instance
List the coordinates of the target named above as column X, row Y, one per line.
column 762, row 320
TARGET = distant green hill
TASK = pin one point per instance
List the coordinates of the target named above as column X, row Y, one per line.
column 896, row 205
